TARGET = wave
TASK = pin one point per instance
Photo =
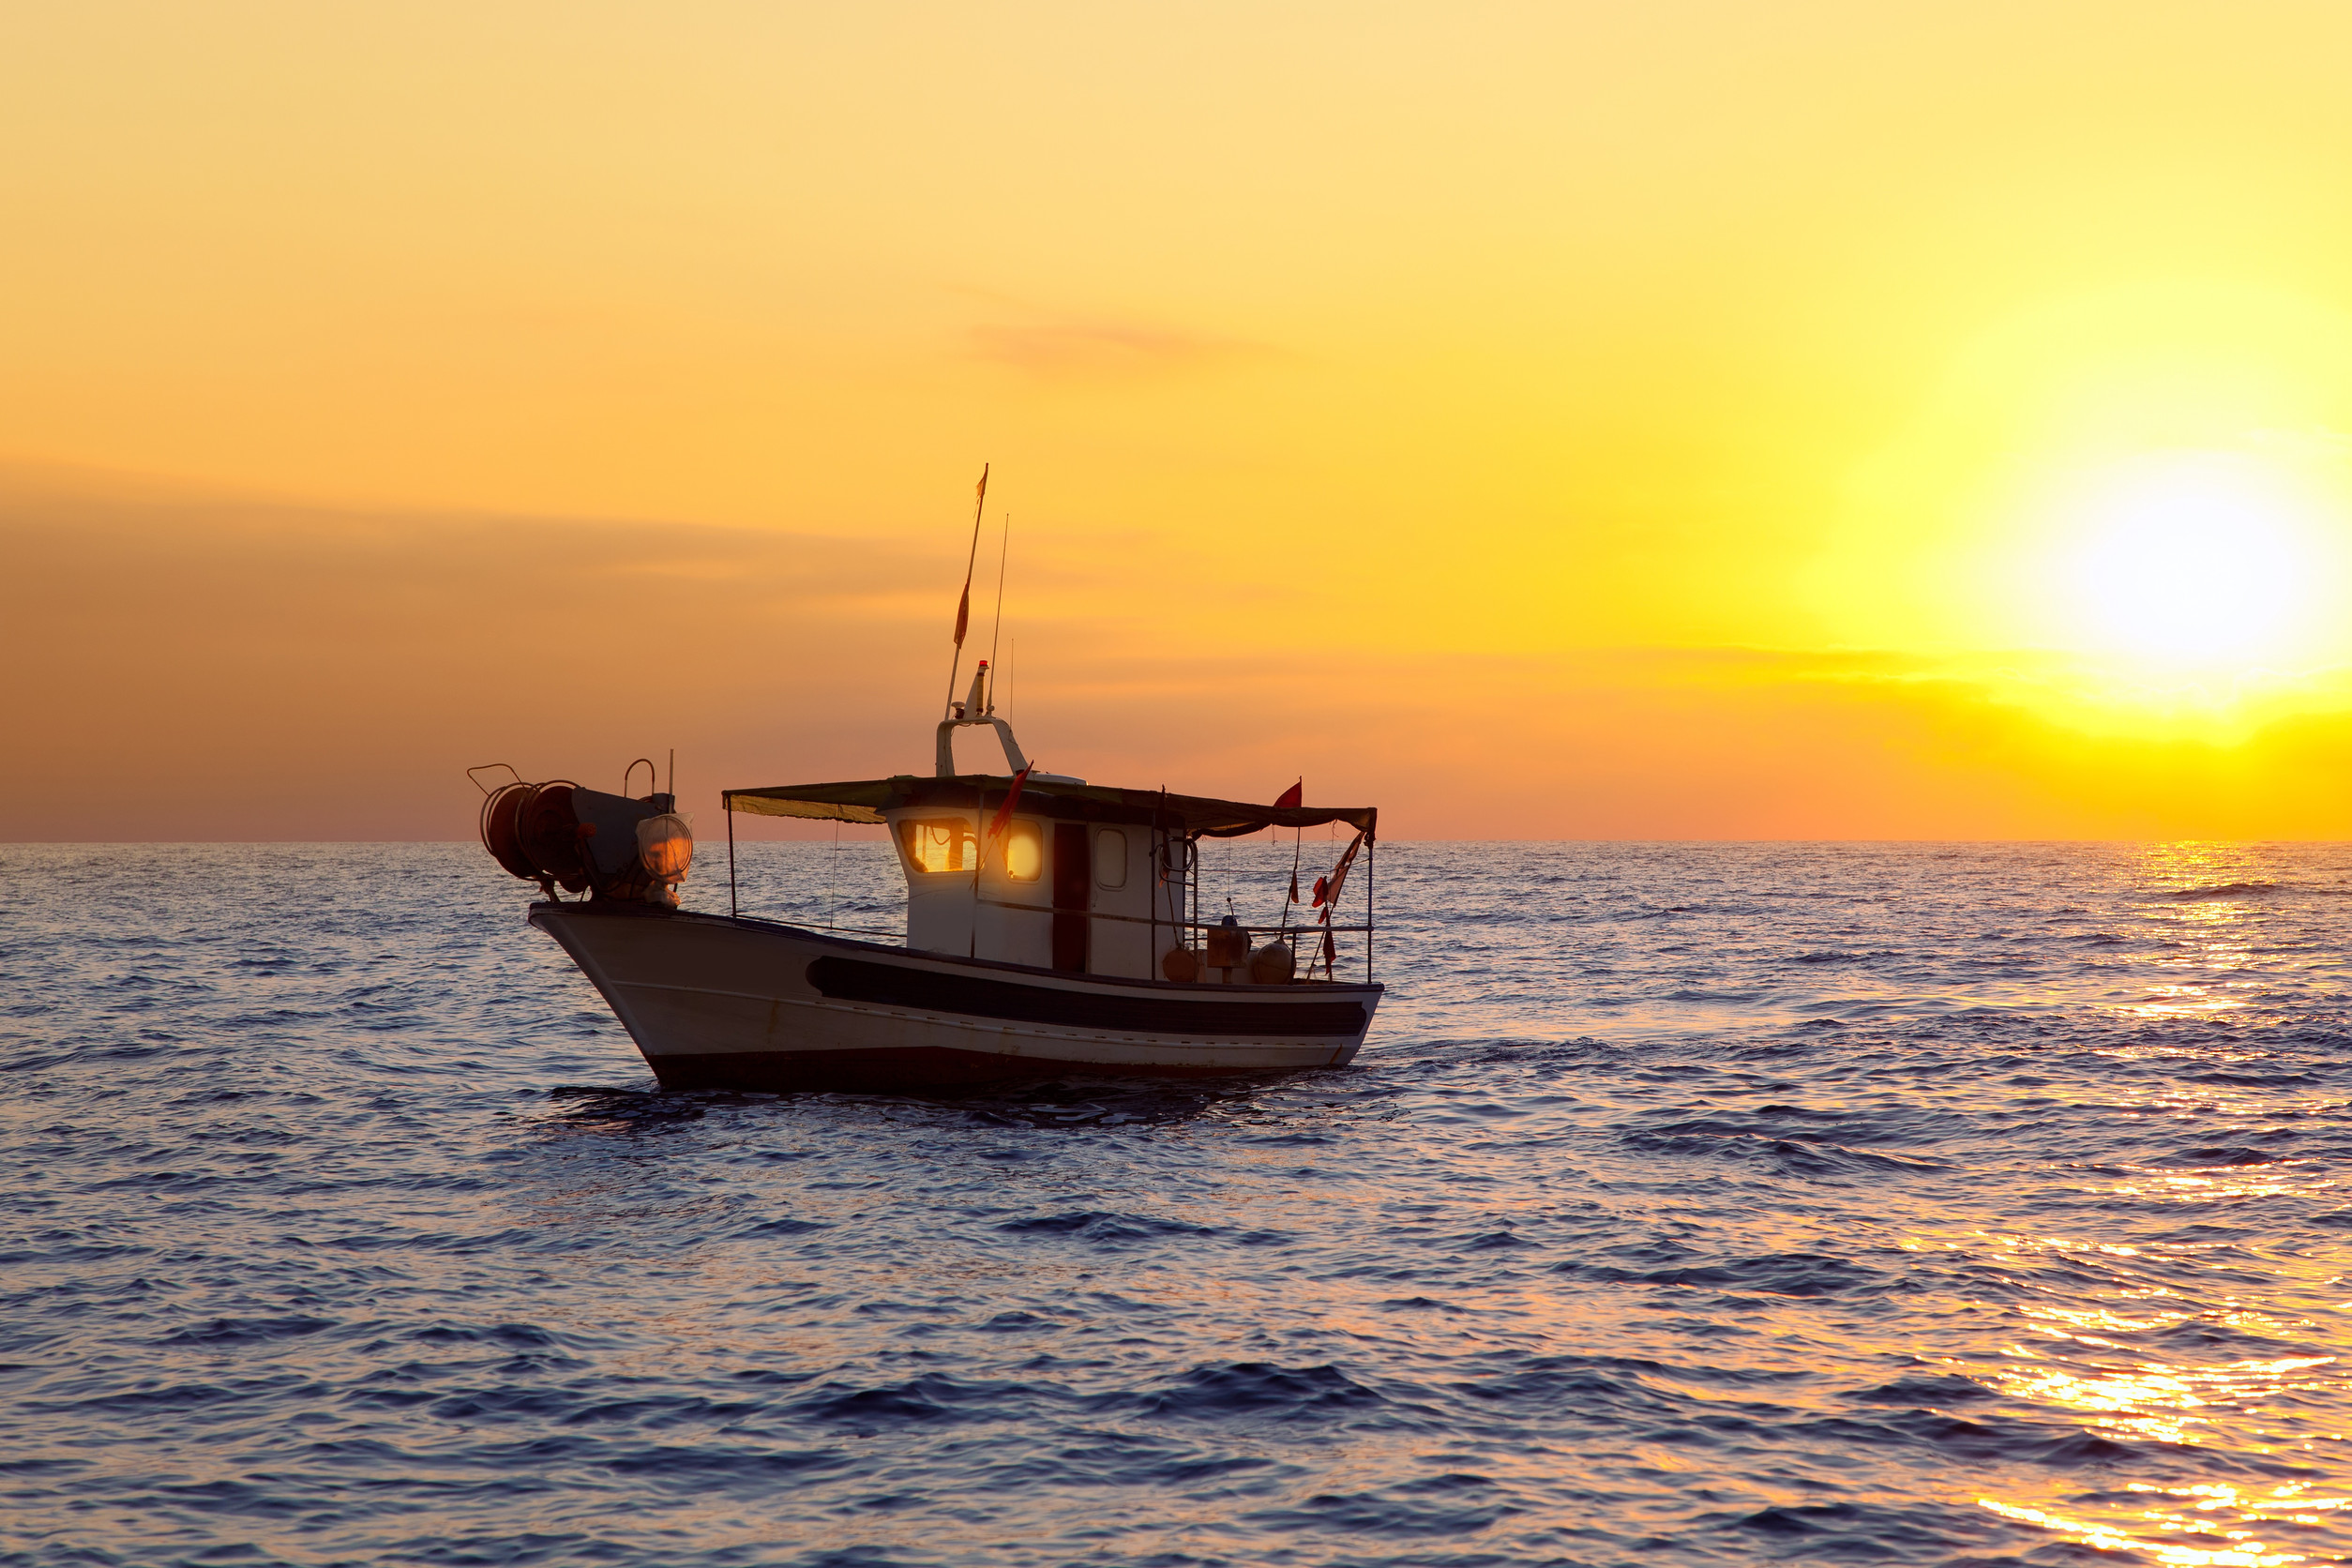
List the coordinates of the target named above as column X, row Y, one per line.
column 924, row 1399
column 1792, row 1157
column 2226, row 890
column 1261, row 1390
column 1106, row 1228
column 1374, row 1513
column 222, row 1333
column 1791, row 1274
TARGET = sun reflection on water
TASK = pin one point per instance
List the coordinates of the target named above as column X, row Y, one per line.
column 2112, row 1368
column 2211, row 1184
column 2202, row 1526
column 2207, row 897
column 2157, row 1400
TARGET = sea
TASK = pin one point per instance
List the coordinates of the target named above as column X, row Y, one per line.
column 1689, row 1204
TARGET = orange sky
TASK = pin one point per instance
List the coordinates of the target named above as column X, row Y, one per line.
column 1683, row 420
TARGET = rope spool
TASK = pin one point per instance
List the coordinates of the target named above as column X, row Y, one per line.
column 500, row 833
column 562, row 834
column 547, row 831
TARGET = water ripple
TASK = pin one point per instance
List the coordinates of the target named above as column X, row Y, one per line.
column 1966, row 1204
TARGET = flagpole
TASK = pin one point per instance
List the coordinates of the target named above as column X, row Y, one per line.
column 1298, row 844
column 963, row 606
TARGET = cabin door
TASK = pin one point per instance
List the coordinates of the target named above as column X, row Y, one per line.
column 1073, row 893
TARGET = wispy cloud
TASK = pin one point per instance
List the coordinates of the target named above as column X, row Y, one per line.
column 1084, row 348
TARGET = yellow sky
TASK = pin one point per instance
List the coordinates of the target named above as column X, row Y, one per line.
column 1717, row 420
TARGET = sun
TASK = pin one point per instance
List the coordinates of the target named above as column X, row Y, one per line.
column 2207, row 561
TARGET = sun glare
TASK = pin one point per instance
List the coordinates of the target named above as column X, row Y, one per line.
column 2193, row 559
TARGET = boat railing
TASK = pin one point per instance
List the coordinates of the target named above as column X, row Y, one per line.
column 1164, row 920
column 1300, row 926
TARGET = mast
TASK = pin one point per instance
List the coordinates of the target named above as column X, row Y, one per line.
column 963, row 606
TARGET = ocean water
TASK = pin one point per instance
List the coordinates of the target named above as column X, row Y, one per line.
column 1689, row 1205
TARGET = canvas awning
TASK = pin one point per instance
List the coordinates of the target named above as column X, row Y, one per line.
column 866, row 800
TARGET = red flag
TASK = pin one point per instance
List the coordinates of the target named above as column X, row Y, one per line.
column 1294, row 795
column 1294, row 888
column 1330, row 953
column 1328, row 890
column 963, row 613
column 1320, row 883
column 1004, row 813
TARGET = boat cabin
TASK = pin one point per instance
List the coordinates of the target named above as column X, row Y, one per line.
column 1047, row 870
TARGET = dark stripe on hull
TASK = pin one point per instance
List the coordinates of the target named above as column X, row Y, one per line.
column 929, row 992
column 892, row 1071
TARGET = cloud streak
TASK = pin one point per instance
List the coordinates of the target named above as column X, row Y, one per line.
column 1105, row 349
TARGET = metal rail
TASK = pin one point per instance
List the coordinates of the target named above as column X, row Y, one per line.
column 1145, row 920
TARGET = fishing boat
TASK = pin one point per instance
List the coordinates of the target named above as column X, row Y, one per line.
column 1053, row 926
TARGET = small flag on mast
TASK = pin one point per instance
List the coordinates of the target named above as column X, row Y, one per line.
column 1293, row 796
column 963, row 606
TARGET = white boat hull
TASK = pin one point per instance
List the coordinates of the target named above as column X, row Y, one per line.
column 714, row 1001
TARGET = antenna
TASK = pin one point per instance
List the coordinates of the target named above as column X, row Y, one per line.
column 1003, row 550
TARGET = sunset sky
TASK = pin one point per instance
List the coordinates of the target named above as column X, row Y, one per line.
column 1675, row 420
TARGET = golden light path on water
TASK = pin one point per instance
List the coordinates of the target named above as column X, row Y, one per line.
column 2084, row 1360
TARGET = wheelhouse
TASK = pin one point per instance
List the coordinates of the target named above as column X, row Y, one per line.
column 1052, row 872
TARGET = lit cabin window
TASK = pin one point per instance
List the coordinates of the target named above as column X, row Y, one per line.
column 1111, row 858
column 1024, row 851
column 937, row 844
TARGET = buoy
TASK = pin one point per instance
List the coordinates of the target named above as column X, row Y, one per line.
column 1180, row 964
column 1273, row 964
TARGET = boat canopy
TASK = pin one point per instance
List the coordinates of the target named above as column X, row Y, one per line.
column 865, row 800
